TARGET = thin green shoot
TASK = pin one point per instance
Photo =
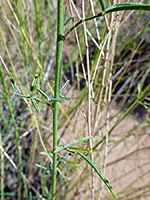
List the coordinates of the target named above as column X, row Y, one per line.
column 68, row 20
column 43, row 93
column 75, row 165
column 64, row 97
column 41, row 166
column 32, row 98
column 102, row 3
column 96, row 169
column 65, row 14
column 33, row 84
column 48, row 99
column 64, row 147
column 63, row 87
column 99, row 173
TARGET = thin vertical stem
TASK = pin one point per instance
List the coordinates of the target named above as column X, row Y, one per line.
column 56, row 90
column 96, row 26
column 107, row 100
column 79, row 48
column 38, row 29
column 89, row 102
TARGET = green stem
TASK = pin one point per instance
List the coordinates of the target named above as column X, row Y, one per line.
column 127, row 6
column 22, row 24
column 38, row 29
column 114, row 8
column 56, row 90
column 102, row 4
column 16, row 132
column 81, row 21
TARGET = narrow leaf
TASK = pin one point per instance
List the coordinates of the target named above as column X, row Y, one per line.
column 42, row 93
column 81, row 140
column 65, row 14
column 10, row 77
column 21, row 95
column 126, row 6
column 62, row 161
column 35, row 104
column 79, row 149
column 98, row 172
column 33, row 84
column 12, row 81
column 47, row 192
column 54, row 99
column 102, row 3
column 37, row 99
column 41, row 166
column 64, row 86
column 63, row 147
column 73, row 164
column 46, row 154
column 64, row 97
column 68, row 21
column 148, row 104
column 69, row 154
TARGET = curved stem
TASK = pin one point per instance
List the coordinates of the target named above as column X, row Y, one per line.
column 114, row 8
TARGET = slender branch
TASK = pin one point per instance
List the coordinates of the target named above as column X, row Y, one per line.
column 114, row 8
column 81, row 21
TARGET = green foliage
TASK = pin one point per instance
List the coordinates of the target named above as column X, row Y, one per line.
column 34, row 99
